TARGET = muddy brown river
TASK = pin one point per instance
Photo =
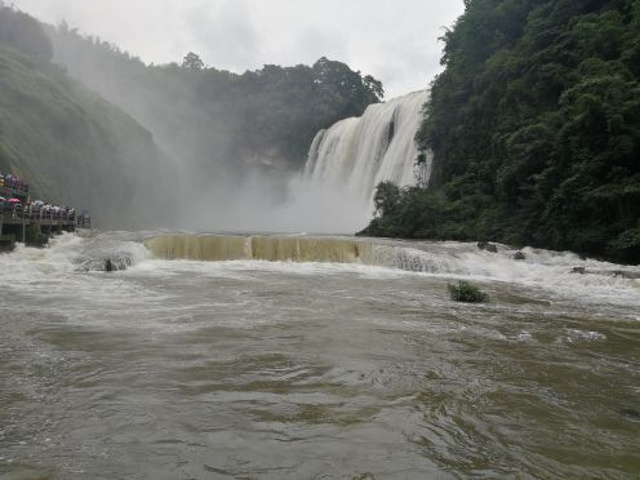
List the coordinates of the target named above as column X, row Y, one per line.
column 309, row 369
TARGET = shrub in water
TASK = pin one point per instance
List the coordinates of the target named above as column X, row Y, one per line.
column 467, row 292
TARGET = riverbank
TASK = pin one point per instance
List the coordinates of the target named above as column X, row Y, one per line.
column 416, row 214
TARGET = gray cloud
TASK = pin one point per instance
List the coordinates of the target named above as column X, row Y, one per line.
column 224, row 33
column 314, row 42
column 394, row 41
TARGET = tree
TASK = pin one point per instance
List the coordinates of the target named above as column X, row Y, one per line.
column 386, row 198
column 192, row 62
column 374, row 86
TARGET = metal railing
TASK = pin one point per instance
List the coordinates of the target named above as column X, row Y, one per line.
column 15, row 213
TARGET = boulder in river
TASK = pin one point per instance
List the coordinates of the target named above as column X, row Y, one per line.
column 489, row 247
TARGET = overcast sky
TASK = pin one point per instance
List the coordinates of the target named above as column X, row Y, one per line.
column 394, row 40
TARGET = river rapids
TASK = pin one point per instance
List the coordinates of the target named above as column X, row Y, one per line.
column 294, row 357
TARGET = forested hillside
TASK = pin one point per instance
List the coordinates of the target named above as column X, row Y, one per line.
column 218, row 121
column 69, row 144
column 535, row 127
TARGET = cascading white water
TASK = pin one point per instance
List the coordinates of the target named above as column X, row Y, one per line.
column 334, row 193
column 361, row 152
column 350, row 158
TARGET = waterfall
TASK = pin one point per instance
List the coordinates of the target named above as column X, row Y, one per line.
column 302, row 248
column 210, row 248
column 334, row 193
column 259, row 247
column 555, row 271
column 349, row 159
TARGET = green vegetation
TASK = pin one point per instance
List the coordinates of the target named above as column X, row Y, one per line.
column 535, row 127
column 69, row 144
column 467, row 292
column 208, row 117
column 22, row 32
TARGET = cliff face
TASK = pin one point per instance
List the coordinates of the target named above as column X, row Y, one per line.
column 71, row 146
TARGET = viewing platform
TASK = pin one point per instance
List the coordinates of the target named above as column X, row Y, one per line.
column 32, row 222
column 34, row 225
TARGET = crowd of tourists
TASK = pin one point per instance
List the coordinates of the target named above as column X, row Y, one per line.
column 16, row 204
column 13, row 182
column 37, row 209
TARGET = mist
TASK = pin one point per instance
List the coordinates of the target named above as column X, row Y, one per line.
column 234, row 146
column 260, row 204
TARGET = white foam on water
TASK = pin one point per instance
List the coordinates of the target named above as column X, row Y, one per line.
column 242, row 269
column 55, row 275
column 547, row 270
column 550, row 272
column 525, row 336
column 55, row 278
column 575, row 335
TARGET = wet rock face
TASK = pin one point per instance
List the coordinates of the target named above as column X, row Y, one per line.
column 108, row 265
column 117, row 264
column 519, row 256
column 7, row 243
column 112, row 264
column 489, row 247
column 628, row 275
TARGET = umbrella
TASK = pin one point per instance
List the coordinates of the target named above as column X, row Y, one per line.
column 14, row 200
column 38, row 203
column 2, row 199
